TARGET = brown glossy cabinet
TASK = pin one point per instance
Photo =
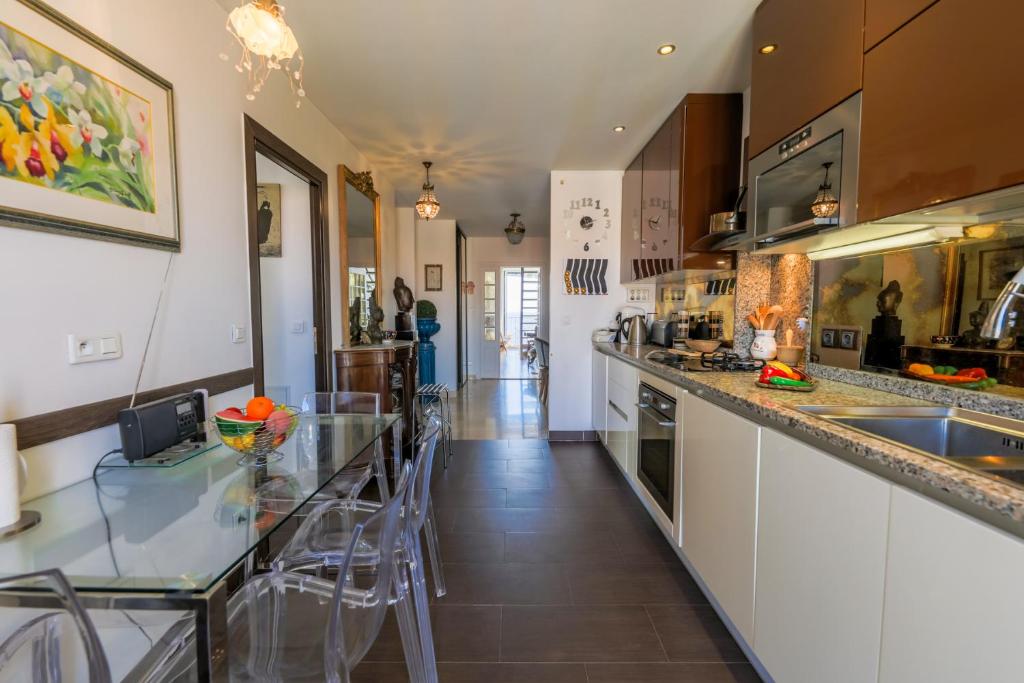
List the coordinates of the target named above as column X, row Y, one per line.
column 687, row 171
column 660, row 236
column 884, row 17
column 632, row 203
column 710, row 129
column 815, row 66
column 941, row 109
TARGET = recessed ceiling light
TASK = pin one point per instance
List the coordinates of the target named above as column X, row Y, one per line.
column 618, row 129
column 768, row 49
column 666, row 49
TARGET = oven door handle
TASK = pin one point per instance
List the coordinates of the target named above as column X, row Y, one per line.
column 645, row 408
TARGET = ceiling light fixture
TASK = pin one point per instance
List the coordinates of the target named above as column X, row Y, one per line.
column 768, row 49
column 516, row 231
column 666, row 49
column 618, row 129
column 428, row 206
column 825, row 203
column 268, row 45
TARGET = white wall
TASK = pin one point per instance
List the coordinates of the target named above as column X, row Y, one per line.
column 286, row 285
column 55, row 285
column 492, row 253
column 435, row 243
column 574, row 318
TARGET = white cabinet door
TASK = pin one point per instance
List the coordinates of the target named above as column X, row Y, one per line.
column 954, row 592
column 599, row 395
column 720, row 504
column 821, row 543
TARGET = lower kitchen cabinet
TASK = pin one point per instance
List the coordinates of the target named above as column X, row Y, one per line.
column 599, row 395
column 953, row 597
column 720, row 452
column 821, row 553
column 623, row 381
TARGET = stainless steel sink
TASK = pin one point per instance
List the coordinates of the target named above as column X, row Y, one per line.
column 975, row 440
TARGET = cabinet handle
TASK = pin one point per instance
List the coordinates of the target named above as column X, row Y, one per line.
column 618, row 410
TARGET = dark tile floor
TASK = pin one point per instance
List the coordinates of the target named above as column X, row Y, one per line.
column 557, row 575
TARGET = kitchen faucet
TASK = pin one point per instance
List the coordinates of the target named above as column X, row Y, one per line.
column 1002, row 317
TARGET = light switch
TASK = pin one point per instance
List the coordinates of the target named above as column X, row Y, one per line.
column 298, row 326
column 238, row 334
column 110, row 345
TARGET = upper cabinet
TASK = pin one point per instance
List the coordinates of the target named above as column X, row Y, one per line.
column 632, row 201
column 813, row 62
column 940, row 117
column 883, row 17
column 689, row 170
column 660, row 238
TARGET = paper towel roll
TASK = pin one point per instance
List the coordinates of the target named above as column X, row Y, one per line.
column 10, row 467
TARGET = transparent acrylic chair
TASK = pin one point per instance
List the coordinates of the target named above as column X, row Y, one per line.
column 66, row 643
column 289, row 626
column 317, row 544
column 351, row 482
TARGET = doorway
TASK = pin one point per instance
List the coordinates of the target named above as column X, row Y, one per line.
column 512, row 308
column 289, row 274
column 520, row 316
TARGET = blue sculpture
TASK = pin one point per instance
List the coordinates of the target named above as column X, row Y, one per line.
column 427, row 326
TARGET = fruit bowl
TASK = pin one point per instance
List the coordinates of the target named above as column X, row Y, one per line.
column 256, row 440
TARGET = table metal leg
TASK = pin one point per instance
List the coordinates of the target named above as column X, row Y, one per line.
column 212, row 635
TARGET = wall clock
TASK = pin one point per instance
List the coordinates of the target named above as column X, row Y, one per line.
column 587, row 221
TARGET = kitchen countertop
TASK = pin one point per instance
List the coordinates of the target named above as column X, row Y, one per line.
column 978, row 495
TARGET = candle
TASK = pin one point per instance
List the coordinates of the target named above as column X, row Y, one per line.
column 10, row 466
column 789, row 336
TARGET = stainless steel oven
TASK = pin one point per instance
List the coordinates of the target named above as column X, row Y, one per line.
column 656, row 463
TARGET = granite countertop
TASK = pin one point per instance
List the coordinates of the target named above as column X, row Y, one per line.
column 981, row 496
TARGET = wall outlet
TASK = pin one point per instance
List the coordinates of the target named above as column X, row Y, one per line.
column 82, row 349
column 640, row 294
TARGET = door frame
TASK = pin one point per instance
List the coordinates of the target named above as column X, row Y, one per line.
column 461, row 305
column 259, row 139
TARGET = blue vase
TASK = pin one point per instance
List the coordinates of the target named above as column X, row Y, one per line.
column 427, row 328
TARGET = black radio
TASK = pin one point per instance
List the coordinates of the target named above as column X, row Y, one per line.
column 153, row 427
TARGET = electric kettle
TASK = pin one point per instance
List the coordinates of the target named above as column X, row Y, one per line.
column 634, row 330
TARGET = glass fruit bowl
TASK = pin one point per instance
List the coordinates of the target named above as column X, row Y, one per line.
column 257, row 440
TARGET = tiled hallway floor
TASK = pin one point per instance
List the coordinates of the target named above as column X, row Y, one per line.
column 556, row 574
column 498, row 409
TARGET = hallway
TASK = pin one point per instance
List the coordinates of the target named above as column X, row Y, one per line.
column 498, row 409
column 557, row 575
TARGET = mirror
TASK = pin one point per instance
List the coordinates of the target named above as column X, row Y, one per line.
column 359, row 206
column 883, row 312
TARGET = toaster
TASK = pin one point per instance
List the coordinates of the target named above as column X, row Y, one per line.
column 663, row 332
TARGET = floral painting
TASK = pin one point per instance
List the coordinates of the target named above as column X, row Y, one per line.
column 86, row 134
column 64, row 127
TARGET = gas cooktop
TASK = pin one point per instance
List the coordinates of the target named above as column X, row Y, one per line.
column 692, row 361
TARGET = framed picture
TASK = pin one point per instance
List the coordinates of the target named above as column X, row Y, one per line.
column 432, row 277
column 995, row 268
column 268, row 218
column 86, row 134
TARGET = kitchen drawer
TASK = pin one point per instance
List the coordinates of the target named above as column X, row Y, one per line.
column 623, row 374
column 625, row 399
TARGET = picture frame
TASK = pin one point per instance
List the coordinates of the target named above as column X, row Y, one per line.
column 268, row 219
column 995, row 268
column 432, row 277
column 97, row 157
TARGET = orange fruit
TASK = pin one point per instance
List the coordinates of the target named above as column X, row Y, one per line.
column 259, row 408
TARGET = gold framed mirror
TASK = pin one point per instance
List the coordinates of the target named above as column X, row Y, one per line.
column 360, row 247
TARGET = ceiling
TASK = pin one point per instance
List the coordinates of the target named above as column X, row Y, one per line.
column 497, row 93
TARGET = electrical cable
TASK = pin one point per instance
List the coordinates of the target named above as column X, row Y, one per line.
column 110, row 539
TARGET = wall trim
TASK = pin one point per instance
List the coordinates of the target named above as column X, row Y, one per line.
column 60, row 424
column 572, row 435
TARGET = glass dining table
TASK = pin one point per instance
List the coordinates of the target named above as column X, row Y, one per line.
column 168, row 538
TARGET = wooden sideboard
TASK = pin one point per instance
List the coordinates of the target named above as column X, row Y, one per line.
column 385, row 369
